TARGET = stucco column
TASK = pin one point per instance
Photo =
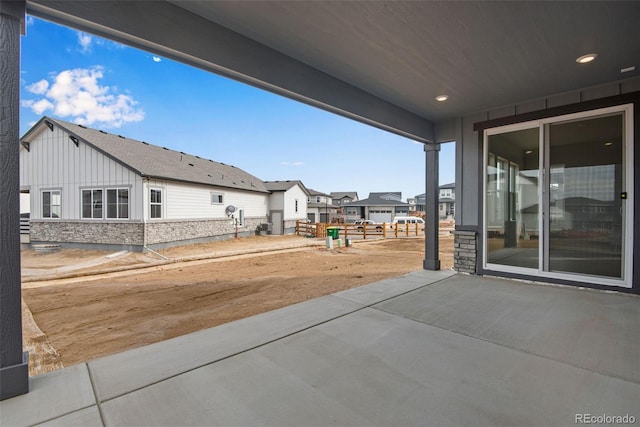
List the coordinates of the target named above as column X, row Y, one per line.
column 14, row 368
column 431, row 249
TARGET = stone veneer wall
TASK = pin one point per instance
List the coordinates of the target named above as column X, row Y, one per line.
column 290, row 226
column 159, row 232
column 465, row 251
column 88, row 232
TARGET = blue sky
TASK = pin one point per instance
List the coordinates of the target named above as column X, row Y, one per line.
column 84, row 79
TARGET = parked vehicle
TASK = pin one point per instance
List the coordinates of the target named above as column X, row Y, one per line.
column 402, row 220
column 361, row 223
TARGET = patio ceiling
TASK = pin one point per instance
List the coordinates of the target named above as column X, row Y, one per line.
column 382, row 63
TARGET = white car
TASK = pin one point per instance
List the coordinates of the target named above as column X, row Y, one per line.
column 369, row 223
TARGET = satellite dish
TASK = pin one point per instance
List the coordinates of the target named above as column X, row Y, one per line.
column 229, row 210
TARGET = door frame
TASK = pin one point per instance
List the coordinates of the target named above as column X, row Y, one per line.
column 628, row 164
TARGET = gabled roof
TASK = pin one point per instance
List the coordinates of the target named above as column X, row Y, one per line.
column 285, row 185
column 313, row 192
column 379, row 199
column 391, row 195
column 353, row 195
column 153, row 161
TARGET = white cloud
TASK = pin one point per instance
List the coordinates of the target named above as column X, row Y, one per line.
column 296, row 163
column 156, row 59
column 39, row 88
column 85, row 41
column 38, row 107
column 77, row 94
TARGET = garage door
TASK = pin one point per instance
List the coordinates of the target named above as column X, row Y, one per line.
column 381, row 216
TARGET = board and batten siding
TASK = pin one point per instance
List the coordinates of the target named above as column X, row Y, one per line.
column 54, row 162
column 193, row 201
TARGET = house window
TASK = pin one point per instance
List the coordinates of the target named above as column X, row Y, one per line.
column 217, row 199
column 240, row 217
column 51, row 207
column 118, row 203
column 155, row 203
column 317, row 199
column 92, row 204
column 296, row 205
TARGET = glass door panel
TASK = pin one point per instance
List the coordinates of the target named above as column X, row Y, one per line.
column 584, row 198
column 512, row 211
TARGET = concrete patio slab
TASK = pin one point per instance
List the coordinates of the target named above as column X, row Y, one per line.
column 590, row 329
column 51, row 395
column 373, row 368
column 440, row 349
column 130, row 370
column 385, row 289
column 88, row 417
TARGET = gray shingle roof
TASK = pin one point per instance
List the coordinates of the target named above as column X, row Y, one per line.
column 375, row 200
column 340, row 194
column 158, row 162
column 284, row 185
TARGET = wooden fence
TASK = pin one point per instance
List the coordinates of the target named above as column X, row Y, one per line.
column 384, row 230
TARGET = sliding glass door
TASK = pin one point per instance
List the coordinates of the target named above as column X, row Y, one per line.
column 557, row 197
column 512, row 214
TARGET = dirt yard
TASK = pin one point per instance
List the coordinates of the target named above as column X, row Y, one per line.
column 142, row 298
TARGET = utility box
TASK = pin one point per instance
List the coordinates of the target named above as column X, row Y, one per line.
column 333, row 232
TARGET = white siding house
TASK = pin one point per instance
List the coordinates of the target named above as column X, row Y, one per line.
column 91, row 188
column 288, row 204
column 320, row 207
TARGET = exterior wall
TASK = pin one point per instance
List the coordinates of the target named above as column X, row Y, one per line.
column 54, row 162
column 188, row 216
column 465, row 251
column 290, row 226
column 175, row 232
column 188, row 201
column 115, row 233
column 468, row 212
column 290, row 197
column 276, row 201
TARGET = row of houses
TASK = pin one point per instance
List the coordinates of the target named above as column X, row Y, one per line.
column 87, row 188
column 378, row 207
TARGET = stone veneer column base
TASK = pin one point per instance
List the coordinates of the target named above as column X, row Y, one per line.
column 465, row 251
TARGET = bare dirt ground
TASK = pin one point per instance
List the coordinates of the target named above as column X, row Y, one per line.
column 142, row 298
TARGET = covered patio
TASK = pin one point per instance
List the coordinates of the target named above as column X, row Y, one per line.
column 477, row 73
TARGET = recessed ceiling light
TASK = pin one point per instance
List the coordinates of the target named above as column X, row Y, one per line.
column 441, row 98
column 528, row 152
column 586, row 58
column 608, row 143
column 626, row 70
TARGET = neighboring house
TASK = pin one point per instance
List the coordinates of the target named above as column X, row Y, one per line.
column 446, row 201
column 320, row 207
column 91, row 188
column 340, row 198
column 412, row 204
column 287, row 204
column 378, row 207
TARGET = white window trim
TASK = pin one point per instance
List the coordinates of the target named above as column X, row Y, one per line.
column 161, row 204
column 213, row 195
column 91, row 189
column 50, row 190
column 106, row 200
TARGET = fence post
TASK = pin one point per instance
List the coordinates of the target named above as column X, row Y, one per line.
column 384, row 230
